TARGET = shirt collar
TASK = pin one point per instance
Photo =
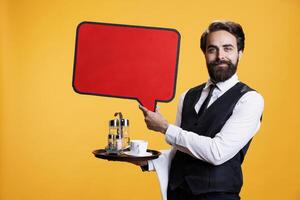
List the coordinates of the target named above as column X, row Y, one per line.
column 225, row 85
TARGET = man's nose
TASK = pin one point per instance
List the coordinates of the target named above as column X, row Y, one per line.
column 221, row 55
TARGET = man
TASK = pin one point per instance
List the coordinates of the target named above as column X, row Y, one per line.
column 214, row 125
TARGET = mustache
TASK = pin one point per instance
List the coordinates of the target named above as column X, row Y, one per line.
column 218, row 62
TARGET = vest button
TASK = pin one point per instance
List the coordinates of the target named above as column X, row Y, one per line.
column 196, row 123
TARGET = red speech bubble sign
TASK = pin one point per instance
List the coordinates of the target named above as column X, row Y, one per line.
column 126, row 61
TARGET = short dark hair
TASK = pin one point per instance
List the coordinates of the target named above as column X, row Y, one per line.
column 229, row 26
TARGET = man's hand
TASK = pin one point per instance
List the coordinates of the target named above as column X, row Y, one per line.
column 154, row 120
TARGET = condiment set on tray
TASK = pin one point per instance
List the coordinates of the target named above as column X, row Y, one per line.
column 120, row 147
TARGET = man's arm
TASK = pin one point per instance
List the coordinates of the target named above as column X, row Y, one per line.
column 236, row 133
column 167, row 155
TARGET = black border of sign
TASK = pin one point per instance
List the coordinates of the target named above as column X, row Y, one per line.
column 133, row 26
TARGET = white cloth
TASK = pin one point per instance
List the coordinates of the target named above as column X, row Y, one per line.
column 235, row 134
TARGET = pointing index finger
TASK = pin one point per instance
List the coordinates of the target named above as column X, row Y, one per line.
column 144, row 110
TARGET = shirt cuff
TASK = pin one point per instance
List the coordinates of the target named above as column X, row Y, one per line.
column 172, row 134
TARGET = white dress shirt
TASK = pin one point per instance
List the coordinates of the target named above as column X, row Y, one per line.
column 235, row 134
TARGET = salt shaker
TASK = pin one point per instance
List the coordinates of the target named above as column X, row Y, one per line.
column 125, row 132
column 110, row 142
column 118, row 143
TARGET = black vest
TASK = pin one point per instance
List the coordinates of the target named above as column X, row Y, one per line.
column 199, row 176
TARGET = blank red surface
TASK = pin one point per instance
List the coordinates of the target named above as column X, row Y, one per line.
column 127, row 62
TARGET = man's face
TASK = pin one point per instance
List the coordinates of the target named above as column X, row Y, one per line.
column 221, row 55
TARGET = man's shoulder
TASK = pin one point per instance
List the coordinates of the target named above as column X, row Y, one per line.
column 252, row 99
column 252, row 95
column 193, row 90
column 249, row 91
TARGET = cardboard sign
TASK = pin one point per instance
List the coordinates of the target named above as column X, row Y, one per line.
column 126, row 61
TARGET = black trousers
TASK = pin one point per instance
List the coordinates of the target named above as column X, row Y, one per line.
column 182, row 193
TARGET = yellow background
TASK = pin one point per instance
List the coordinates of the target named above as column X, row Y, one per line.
column 48, row 131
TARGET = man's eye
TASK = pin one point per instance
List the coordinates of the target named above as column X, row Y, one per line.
column 228, row 49
column 211, row 50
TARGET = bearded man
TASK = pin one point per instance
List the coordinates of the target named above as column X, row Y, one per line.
column 214, row 125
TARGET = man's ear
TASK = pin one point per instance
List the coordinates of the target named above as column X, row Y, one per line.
column 240, row 54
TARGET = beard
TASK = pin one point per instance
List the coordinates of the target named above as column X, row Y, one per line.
column 220, row 74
